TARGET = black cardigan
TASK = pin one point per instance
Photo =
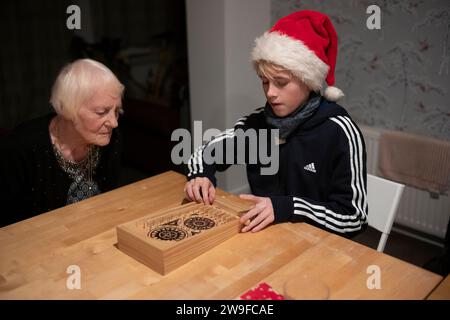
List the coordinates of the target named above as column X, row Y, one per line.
column 31, row 180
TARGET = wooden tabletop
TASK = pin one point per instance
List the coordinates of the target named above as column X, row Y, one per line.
column 35, row 255
column 442, row 291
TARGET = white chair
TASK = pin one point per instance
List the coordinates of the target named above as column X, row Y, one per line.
column 383, row 198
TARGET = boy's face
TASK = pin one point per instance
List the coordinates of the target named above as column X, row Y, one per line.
column 284, row 92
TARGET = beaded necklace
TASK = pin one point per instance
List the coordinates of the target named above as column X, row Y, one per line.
column 81, row 173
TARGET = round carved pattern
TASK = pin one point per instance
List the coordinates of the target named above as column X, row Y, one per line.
column 168, row 233
column 199, row 223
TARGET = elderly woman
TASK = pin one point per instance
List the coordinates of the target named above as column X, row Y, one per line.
column 65, row 157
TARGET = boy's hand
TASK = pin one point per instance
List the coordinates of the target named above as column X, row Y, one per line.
column 200, row 190
column 261, row 215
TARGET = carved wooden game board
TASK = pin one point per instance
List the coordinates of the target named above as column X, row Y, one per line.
column 168, row 239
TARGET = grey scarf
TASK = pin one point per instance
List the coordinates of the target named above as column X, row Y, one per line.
column 288, row 124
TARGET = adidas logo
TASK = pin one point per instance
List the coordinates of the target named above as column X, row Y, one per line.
column 310, row 167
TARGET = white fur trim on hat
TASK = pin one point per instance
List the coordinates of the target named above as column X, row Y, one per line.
column 292, row 54
column 333, row 94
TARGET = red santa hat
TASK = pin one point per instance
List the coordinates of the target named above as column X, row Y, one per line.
column 304, row 43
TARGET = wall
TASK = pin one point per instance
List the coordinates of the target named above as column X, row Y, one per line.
column 223, row 85
column 35, row 42
column 396, row 77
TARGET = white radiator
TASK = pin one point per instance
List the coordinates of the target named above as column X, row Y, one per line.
column 417, row 210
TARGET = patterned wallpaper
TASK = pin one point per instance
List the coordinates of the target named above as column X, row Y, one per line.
column 396, row 77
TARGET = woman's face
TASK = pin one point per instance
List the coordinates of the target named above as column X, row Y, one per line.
column 98, row 117
column 284, row 92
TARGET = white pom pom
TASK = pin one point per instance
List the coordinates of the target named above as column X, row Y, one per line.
column 333, row 94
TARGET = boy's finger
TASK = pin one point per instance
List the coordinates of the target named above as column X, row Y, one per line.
column 212, row 194
column 196, row 191
column 249, row 197
column 205, row 196
column 189, row 193
column 249, row 215
column 262, row 225
column 255, row 222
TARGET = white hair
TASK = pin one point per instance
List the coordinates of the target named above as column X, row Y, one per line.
column 77, row 82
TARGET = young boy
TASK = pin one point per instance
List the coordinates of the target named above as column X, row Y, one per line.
column 322, row 160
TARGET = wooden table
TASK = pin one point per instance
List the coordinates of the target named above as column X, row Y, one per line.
column 35, row 255
column 442, row 291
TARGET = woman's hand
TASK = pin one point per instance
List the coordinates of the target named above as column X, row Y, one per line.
column 200, row 190
column 260, row 216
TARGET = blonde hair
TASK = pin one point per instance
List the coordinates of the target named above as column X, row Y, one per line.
column 77, row 82
column 267, row 69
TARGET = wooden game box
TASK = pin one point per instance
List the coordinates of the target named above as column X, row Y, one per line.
column 167, row 239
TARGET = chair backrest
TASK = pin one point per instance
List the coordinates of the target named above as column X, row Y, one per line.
column 383, row 198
